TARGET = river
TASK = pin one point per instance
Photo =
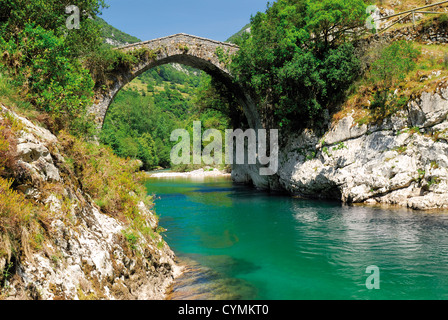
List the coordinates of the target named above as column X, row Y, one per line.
column 242, row 243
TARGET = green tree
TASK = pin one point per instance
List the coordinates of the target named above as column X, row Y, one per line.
column 46, row 59
column 42, row 66
column 394, row 62
column 215, row 103
column 327, row 20
column 51, row 15
column 137, row 128
column 297, row 60
column 147, row 151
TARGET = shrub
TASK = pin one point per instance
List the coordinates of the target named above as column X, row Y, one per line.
column 395, row 61
column 112, row 182
column 131, row 238
column 19, row 223
column 297, row 60
column 443, row 20
column 50, row 15
column 50, row 79
column 393, row 64
column 8, row 146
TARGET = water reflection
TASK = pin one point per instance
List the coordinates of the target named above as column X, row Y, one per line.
column 213, row 278
column 409, row 247
column 213, row 240
column 245, row 243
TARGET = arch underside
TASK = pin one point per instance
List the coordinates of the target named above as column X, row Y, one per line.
column 194, row 62
column 200, row 55
column 101, row 107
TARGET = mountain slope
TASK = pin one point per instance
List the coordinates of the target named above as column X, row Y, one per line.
column 244, row 29
column 115, row 37
column 142, row 116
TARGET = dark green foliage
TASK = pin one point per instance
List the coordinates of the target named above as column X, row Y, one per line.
column 44, row 58
column 171, row 100
column 51, row 80
column 294, row 62
column 57, row 68
column 217, row 102
column 134, row 116
column 128, row 125
column 327, row 20
column 51, row 15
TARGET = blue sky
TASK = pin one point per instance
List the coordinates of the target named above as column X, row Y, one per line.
column 149, row 19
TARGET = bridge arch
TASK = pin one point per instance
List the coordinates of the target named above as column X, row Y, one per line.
column 181, row 48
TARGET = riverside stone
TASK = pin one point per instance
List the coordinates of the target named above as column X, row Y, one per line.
column 387, row 163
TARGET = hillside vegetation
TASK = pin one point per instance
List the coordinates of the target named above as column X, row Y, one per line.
column 297, row 63
column 43, row 75
column 301, row 80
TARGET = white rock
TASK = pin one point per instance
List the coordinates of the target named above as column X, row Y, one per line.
column 375, row 164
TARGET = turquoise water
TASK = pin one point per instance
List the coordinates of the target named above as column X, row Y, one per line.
column 249, row 244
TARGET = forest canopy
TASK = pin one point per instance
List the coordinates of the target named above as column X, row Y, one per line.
column 296, row 59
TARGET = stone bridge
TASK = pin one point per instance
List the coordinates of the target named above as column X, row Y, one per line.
column 197, row 52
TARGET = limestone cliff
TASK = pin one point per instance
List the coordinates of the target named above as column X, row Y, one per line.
column 402, row 161
column 86, row 255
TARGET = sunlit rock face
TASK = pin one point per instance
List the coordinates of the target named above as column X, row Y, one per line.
column 403, row 161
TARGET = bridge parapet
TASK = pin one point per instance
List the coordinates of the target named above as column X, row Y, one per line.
column 178, row 38
column 188, row 45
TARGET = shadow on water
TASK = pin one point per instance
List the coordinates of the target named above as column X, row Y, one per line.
column 213, row 278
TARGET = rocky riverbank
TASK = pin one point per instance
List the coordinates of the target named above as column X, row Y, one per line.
column 402, row 161
column 85, row 254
